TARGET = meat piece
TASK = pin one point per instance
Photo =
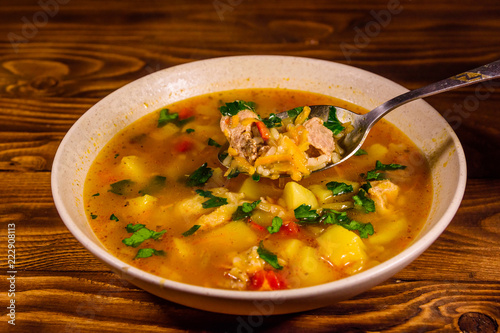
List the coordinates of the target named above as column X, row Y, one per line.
column 319, row 136
column 383, row 193
column 239, row 134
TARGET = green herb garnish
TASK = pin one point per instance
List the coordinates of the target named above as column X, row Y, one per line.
column 268, row 256
column 329, row 216
column 360, row 152
column 200, row 176
column 333, row 123
column 134, row 227
column 379, row 166
column 366, row 186
column 293, row 113
column 191, row 230
column 155, row 184
column 189, row 130
column 140, row 234
column 213, row 201
column 256, row 177
column 364, row 229
column 275, row 225
column 146, row 253
column 272, row 121
column 233, row 174
column 375, row 175
column 212, row 142
column 92, row 216
column 244, row 210
column 95, row 195
column 166, row 117
column 363, row 201
column 113, row 218
column 232, row 108
column 386, row 167
column 339, row 188
column 305, row 214
column 121, row 187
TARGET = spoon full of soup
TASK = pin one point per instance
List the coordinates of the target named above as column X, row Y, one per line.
column 309, row 139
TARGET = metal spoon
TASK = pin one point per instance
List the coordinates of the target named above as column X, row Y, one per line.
column 363, row 123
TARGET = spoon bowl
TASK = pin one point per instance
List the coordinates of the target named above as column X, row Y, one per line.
column 362, row 123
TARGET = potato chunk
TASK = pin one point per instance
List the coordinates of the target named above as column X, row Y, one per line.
column 296, row 195
column 309, row 268
column 140, row 205
column 133, row 167
column 233, row 236
column 343, row 248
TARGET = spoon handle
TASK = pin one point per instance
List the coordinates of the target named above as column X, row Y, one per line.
column 480, row 74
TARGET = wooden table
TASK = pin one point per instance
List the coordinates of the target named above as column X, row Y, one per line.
column 59, row 57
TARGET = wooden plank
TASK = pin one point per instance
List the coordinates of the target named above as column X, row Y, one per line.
column 103, row 303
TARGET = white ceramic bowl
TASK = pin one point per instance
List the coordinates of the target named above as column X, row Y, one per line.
column 98, row 125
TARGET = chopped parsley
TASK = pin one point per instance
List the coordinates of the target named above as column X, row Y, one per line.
column 166, row 117
column 375, row 175
column 116, row 155
column 256, row 177
column 121, row 187
column 155, row 184
column 329, row 216
column 95, row 195
column 200, row 176
column 366, row 186
column 363, row 201
column 191, row 230
column 334, row 217
column 268, row 256
column 305, row 214
column 233, row 174
column 333, row 123
column 272, row 121
column 213, row 201
column 189, row 130
column 364, row 229
column 92, row 216
column 275, row 225
column 339, row 188
column 223, row 156
column 148, row 252
column 379, row 166
column 232, row 108
column 134, row 227
column 113, row 218
column 360, row 152
column 212, row 142
column 244, row 210
column 140, row 234
column 386, row 167
column 293, row 113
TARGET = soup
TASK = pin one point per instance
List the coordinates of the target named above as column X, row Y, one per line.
column 158, row 198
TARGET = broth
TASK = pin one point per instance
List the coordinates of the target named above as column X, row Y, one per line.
column 141, row 208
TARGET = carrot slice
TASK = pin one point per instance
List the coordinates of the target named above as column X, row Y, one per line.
column 263, row 130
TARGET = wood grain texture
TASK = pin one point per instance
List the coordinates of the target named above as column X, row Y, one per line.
column 58, row 61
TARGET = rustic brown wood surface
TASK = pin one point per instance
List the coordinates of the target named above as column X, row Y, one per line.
column 59, row 57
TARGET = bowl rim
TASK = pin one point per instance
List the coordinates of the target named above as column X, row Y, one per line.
column 398, row 262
